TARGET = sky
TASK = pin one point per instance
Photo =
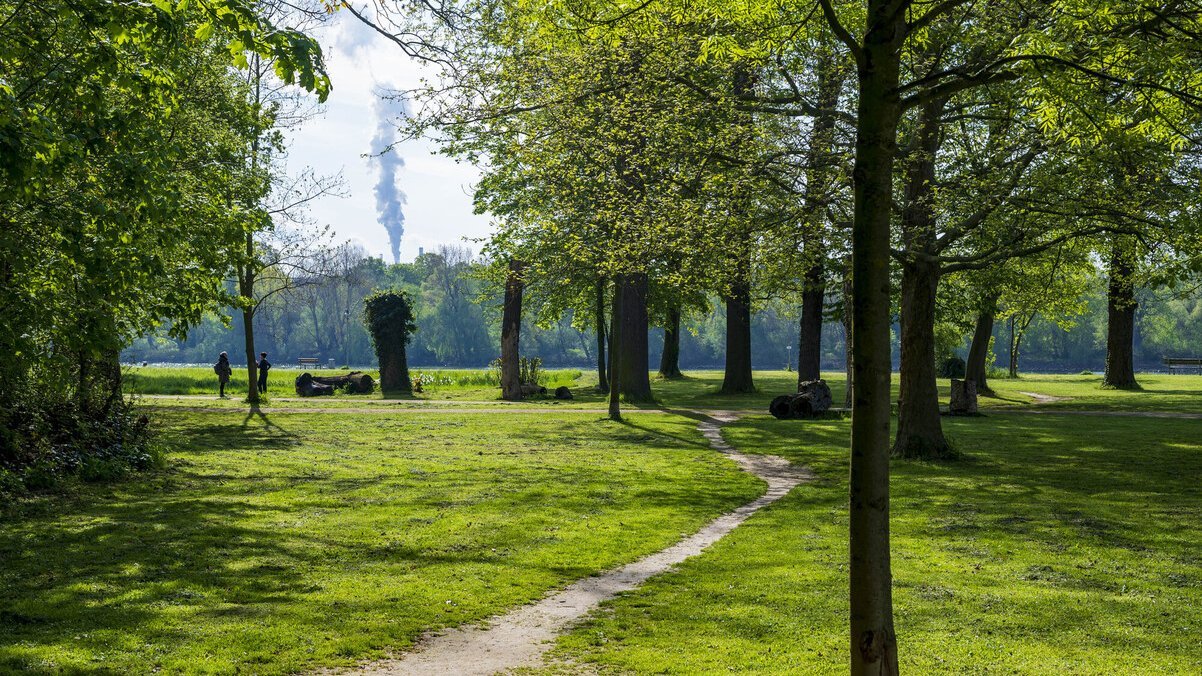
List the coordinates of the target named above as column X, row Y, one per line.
column 438, row 205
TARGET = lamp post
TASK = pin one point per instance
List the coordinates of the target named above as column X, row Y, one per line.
column 788, row 358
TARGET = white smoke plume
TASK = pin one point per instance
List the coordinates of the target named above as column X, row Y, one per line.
column 389, row 198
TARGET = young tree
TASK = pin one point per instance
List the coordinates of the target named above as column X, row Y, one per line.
column 278, row 233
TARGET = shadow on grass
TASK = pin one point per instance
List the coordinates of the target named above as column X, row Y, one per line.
column 254, row 411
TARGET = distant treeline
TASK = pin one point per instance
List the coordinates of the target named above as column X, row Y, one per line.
column 459, row 326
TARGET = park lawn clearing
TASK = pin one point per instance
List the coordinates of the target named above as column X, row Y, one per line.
column 1060, row 544
column 180, row 386
column 1159, row 392
column 286, row 542
column 438, row 383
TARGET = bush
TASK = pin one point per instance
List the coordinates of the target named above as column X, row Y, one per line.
column 45, row 439
column 951, row 367
column 530, row 371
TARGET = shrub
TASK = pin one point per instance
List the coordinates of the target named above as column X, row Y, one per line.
column 951, row 367
column 531, row 371
column 46, row 438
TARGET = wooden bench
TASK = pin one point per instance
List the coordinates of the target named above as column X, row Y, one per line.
column 308, row 361
column 1182, row 363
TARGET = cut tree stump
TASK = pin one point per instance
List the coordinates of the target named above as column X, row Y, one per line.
column 964, row 397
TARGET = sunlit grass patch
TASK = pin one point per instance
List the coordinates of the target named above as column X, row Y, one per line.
column 281, row 542
column 1062, row 544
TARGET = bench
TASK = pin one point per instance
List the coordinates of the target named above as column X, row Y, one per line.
column 308, row 361
column 1179, row 363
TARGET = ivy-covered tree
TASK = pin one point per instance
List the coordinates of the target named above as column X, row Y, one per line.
column 389, row 318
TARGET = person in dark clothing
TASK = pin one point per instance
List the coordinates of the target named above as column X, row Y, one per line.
column 264, row 366
column 223, row 371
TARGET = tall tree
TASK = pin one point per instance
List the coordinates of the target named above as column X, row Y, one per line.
column 1120, row 325
column 511, row 327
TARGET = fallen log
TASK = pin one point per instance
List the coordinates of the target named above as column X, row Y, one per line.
column 307, row 386
column 355, row 382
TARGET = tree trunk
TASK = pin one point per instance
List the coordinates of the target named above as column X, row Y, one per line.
column 738, row 379
column 615, row 351
column 976, row 369
column 511, row 329
column 635, row 373
column 873, row 640
column 848, row 337
column 919, row 429
column 1013, row 349
column 246, row 287
column 602, row 363
column 252, row 362
column 669, row 361
column 819, row 171
column 809, row 344
column 1120, row 324
column 110, row 373
column 98, row 376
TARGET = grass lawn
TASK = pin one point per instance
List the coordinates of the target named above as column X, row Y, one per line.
column 282, row 540
column 1061, row 544
column 1161, row 392
column 438, row 383
column 285, row 542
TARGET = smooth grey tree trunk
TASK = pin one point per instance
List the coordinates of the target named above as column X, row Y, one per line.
column 919, row 428
column 809, row 343
column 819, row 174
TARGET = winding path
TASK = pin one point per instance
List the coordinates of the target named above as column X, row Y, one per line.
column 521, row 637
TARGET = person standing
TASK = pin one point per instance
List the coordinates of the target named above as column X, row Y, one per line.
column 264, row 365
column 223, row 371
